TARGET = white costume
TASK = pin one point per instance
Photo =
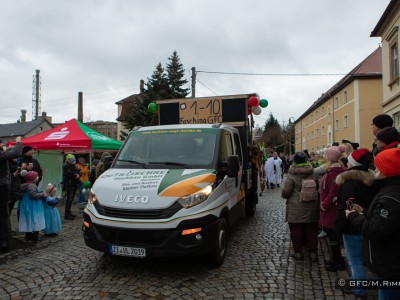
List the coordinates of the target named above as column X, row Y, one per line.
column 269, row 171
column 278, row 170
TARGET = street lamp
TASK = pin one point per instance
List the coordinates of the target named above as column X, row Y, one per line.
column 290, row 134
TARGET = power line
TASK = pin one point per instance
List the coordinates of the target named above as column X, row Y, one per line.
column 272, row 74
column 206, row 86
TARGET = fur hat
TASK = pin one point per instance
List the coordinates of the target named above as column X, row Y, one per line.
column 388, row 135
column 26, row 149
column 333, row 154
column 300, row 158
column 388, row 162
column 361, row 158
column 30, row 176
column 382, row 121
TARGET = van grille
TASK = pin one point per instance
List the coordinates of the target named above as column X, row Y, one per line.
column 113, row 212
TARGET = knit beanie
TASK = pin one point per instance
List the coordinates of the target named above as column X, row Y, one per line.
column 333, row 154
column 300, row 158
column 388, row 135
column 70, row 156
column 388, row 162
column 71, row 160
column 26, row 149
column 361, row 157
column 382, row 121
column 30, row 176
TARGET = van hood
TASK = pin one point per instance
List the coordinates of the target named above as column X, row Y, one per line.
column 149, row 189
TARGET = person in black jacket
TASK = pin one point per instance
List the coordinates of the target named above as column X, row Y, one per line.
column 32, row 164
column 380, row 226
column 355, row 187
column 71, row 181
column 5, row 156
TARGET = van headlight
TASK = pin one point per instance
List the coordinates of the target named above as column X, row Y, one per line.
column 196, row 198
column 92, row 197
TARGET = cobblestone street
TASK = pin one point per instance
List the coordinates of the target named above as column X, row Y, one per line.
column 257, row 266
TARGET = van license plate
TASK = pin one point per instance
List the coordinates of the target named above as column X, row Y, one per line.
column 127, row 251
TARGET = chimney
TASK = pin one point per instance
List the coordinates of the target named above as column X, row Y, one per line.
column 23, row 115
column 80, row 107
column 141, row 86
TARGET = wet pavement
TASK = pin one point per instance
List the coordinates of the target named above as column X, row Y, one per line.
column 257, row 266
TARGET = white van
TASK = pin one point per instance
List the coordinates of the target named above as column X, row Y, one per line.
column 172, row 191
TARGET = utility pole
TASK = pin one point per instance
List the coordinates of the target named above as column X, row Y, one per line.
column 80, row 107
column 193, row 82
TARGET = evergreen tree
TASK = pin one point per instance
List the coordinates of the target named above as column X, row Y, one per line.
column 272, row 132
column 176, row 81
column 161, row 85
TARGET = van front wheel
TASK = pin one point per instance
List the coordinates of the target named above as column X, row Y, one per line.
column 221, row 244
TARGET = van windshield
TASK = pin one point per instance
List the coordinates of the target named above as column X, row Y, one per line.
column 169, row 148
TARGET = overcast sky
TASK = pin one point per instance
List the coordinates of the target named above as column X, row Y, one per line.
column 103, row 49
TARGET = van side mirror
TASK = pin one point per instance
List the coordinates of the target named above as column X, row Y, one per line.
column 233, row 166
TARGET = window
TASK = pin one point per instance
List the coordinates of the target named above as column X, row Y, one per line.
column 329, row 117
column 226, row 146
column 312, row 134
column 316, row 115
column 316, row 133
column 323, row 130
column 344, row 97
column 322, row 111
column 396, row 118
column 394, row 62
column 336, row 124
column 238, row 147
column 345, row 121
column 336, row 102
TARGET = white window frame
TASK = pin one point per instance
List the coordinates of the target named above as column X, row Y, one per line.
column 345, row 97
column 336, row 125
column 345, row 121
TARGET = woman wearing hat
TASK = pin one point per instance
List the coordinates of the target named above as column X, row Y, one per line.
column 355, row 187
column 380, row 224
column 301, row 216
column 328, row 196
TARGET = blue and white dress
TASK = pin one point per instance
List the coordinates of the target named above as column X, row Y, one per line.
column 31, row 216
column 51, row 216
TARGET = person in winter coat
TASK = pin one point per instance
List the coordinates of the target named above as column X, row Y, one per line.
column 84, row 169
column 380, row 224
column 302, row 217
column 328, row 204
column 31, row 162
column 71, row 175
column 378, row 123
column 355, row 187
column 5, row 156
column 387, row 138
column 31, row 217
column 102, row 165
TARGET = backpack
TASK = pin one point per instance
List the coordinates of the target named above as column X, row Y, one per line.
column 309, row 190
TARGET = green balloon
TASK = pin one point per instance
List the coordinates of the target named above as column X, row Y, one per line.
column 152, row 107
column 86, row 184
column 263, row 103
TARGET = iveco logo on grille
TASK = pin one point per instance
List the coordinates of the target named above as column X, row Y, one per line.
column 132, row 199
